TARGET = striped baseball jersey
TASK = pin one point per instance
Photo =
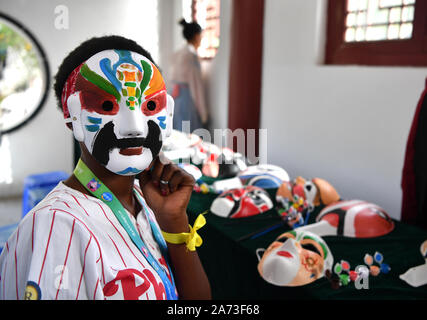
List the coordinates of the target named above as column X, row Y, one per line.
column 71, row 246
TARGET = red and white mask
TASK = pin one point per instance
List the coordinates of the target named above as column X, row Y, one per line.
column 356, row 219
column 241, row 203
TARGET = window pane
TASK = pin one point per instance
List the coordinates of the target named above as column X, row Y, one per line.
column 395, row 14
column 350, row 35
column 361, row 19
column 351, row 20
column 393, row 31
column 352, row 5
column 408, row 14
column 207, row 14
column 390, row 3
column 360, row 34
column 378, row 16
column 379, row 19
column 406, row 31
column 376, row 33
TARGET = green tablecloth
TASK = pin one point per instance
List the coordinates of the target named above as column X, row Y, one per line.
column 231, row 265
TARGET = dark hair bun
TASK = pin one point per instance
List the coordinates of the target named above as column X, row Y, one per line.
column 190, row 29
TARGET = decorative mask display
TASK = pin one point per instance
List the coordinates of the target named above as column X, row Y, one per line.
column 210, row 166
column 292, row 203
column 241, row 203
column 179, row 140
column 275, row 174
column 316, row 191
column 221, row 163
column 191, row 169
column 353, row 218
column 228, row 166
column 295, row 258
column 296, row 199
column 118, row 106
column 417, row 276
column 203, row 150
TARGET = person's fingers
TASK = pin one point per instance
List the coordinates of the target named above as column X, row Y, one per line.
column 156, row 171
column 167, row 173
column 144, row 177
column 180, row 178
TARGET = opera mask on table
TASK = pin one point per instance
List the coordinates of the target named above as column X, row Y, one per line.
column 295, row 258
column 353, row 218
column 316, row 191
column 117, row 104
column 264, row 176
column 417, row 276
column 241, row 203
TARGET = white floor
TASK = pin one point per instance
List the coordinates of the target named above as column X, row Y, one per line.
column 10, row 210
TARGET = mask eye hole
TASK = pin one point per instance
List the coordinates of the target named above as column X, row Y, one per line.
column 151, row 105
column 282, row 240
column 107, row 105
column 310, row 247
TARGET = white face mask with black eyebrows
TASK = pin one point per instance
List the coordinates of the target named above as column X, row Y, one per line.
column 119, row 109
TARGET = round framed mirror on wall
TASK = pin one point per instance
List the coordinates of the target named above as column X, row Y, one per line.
column 24, row 75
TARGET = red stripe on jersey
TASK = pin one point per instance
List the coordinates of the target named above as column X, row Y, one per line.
column 96, row 288
column 34, row 217
column 66, row 258
column 127, row 245
column 75, row 199
column 54, row 191
column 16, row 265
column 47, row 247
column 59, row 200
column 91, row 233
column 83, row 268
column 32, row 233
column 68, row 206
column 118, row 251
column 5, row 269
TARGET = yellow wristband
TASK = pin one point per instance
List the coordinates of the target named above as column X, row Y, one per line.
column 192, row 239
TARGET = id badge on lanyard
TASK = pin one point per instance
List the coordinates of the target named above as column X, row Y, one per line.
column 101, row 191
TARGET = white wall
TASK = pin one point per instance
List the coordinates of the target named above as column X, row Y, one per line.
column 346, row 124
column 45, row 144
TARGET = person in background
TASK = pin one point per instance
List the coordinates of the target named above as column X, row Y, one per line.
column 186, row 80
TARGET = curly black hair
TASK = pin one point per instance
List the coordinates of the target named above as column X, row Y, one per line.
column 86, row 50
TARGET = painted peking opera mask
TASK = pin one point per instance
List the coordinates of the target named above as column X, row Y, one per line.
column 118, row 106
column 295, row 258
column 241, row 202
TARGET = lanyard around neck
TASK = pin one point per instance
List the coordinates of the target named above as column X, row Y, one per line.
column 88, row 179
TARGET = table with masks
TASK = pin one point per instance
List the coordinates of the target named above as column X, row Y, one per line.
column 271, row 236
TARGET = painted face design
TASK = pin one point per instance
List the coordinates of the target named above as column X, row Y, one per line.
column 118, row 106
column 295, row 258
column 241, row 203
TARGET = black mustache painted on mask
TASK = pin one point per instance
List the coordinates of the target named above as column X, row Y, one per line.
column 106, row 140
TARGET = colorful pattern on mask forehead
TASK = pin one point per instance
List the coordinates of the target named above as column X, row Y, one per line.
column 120, row 74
